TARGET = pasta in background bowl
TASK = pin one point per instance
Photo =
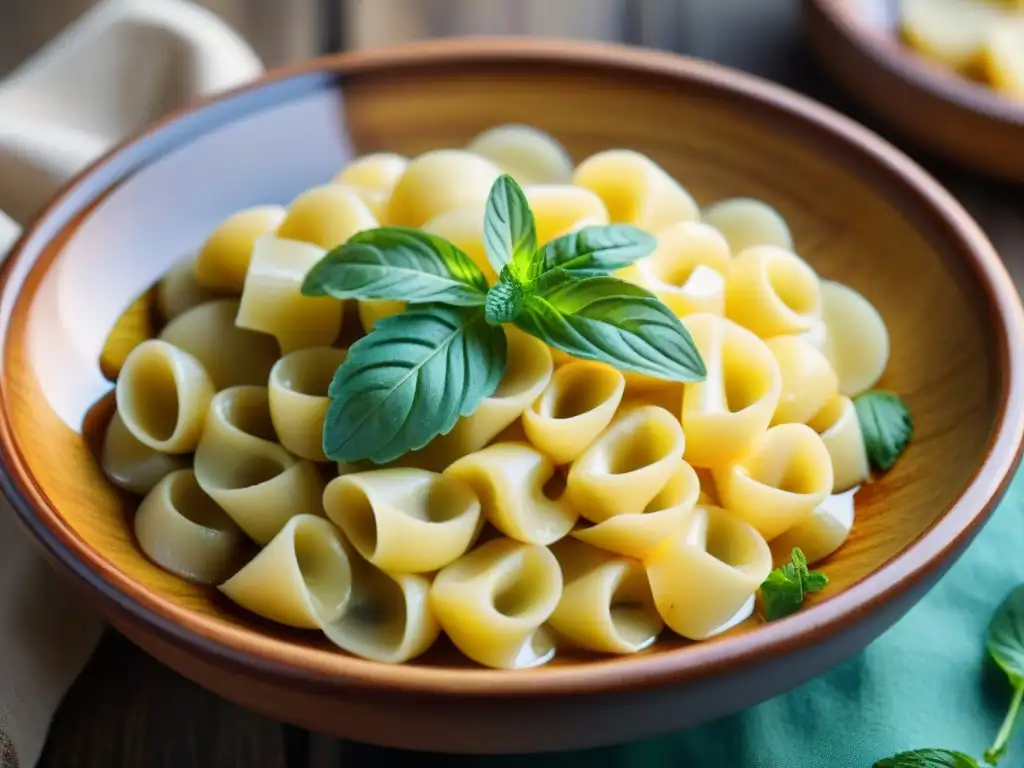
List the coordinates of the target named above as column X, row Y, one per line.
column 581, row 528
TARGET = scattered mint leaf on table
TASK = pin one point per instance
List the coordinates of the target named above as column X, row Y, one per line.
column 886, row 425
column 783, row 591
column 928, row 758
column 1005, row 644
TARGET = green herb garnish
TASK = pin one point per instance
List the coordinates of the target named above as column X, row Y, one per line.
column 1005, row 644
column 417, row 372
column 886, row 425
column 783, row 591
column 928, row 758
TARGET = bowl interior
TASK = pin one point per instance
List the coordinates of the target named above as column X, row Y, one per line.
column 134, row 214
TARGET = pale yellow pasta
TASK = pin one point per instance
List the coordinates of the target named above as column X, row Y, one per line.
column 298, row 401
column 639, row 535
column 179, row 290
column 574, row 408
column 746, row 222
column 437, row 182
column 628, row 465
column 326, row 216
column 493, row 602
column 606, row 604
column 372, row 310
column 724, row 415
column 387, row 617
column 808, row 381
column 780, row 482
column 527, row 371
column 840, row 431
column 527, row 154
column 706, row 574
column 821, row 534
column 372, row 177
column 302, row 578
column 162, row 395
column 272, row 300
column 256, row 481
column 463, row 227
column 559, row 209
column 636, row 190
column 687, row 270
column 858, row 341
column 404, row 520
column 131, row 464
column 223, row 259
column 519, row 491
column 183, row 531
column 772, row 292
column 230, row 355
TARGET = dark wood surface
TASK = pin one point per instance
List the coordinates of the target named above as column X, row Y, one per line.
column 126, row 710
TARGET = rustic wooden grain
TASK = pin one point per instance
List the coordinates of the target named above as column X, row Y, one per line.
column 120, row 711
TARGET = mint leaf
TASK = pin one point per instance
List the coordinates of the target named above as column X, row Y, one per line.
column 609, row 320
column 598, row 250
column 928, row 758
column 509, row 234
column 1005, row 644
column 410, row 380
column 886, row 425
column 782, row 593
column 401, row 264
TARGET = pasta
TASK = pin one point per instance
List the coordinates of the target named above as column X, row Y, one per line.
column 639, row 535
column 627, row 465
column 223, row 260
column 230, row 355
column 529, row 155
column 574, row 408
column 493, row 602
column 162, row 395
column 403, row 519
column 298, row 401
column 576, row 506
column 256, row 481
column 724, row 415
column 726, row 556
column 687, row 270
column 606, row 604
column 131, row 464
column 518, row 490
column 778, row 485
column 182, row 530
column 772, row 291
column 636, row 190
column 273, row 303
column 745, row 222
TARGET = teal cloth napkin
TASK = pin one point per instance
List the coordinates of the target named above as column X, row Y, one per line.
column 927, row 682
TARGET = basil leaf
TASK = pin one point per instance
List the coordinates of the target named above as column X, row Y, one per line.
column 504, row 299
column 1005, row 642
column 598, row 250
column 609, row 320
column 410, row 380
column 509, row 234
column 401, row 264
column 886, row 425
column 928, row 758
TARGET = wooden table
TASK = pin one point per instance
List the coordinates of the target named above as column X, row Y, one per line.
column 128, row 711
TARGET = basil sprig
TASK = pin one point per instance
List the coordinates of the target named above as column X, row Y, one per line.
column 412, row 377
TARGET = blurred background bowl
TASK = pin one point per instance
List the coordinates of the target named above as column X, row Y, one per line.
column 861, row 212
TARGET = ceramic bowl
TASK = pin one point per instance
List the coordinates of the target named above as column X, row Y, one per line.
column 861, row 213
column 858, row 42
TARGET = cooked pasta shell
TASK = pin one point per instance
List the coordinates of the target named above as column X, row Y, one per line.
column 223, row 259
column 821, row 534
column 858, row 341
column 131, row 464
column 298, row 400
column 528, row 154
column 439, row 181
column 746, row 222
column 808, row 381
column 772, row 292
column 840, row 431
column 326, row 216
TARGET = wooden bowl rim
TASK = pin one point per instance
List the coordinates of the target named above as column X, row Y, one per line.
column 249, row 652
column 913, row 68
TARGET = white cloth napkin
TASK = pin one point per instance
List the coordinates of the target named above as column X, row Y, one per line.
column 119, row 67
